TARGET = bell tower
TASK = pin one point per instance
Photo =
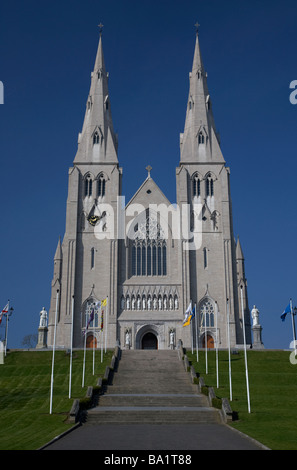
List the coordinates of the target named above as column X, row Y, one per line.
column 203, row 182
column 88, row 255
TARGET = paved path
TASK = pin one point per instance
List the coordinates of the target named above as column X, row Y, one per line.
column 152, row 405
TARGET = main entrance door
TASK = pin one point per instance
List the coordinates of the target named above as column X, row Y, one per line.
column 210, row 342
column 149, row 341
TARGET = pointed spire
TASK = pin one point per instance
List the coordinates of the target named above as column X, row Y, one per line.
column 97, row 143
column 58, row 254
column 199, row 142
column 239, row 253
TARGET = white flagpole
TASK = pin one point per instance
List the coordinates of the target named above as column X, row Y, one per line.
column 6, row 327
column 217, row 341
column 102, row 332
column 53, row 358
column 106, row 322
column 229, row 349
column 71, row 345
column 293, row 326
column 196, row 328
column 84, row 361
column 245, row 354
column 205, row 342
column 94, row 339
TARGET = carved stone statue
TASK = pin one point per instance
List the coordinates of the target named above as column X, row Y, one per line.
column 255, row 316
column 127, row 339
column 171, row 339
column 43, row 318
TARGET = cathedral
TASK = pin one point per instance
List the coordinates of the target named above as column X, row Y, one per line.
column 127, row 273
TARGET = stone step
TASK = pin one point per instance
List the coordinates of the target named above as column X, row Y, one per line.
column 164, row 400
column 153, row 415
column 152, row 387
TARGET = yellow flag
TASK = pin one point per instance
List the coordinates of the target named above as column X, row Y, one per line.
column 103, row 303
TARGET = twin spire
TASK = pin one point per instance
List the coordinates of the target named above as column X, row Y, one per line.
column 97, row 143
column 200, row 141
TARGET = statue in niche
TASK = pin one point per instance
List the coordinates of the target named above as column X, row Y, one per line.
column 176, row 303
column 133, row 303
column 127, row 339
column 165, row 303
column 138, row 303
column 143, row 303
column 128, row 303
column 149, row 303
column 160, row 303
column 171, row 339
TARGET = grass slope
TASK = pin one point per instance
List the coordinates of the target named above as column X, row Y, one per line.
column 25, row 380
column 273, row 393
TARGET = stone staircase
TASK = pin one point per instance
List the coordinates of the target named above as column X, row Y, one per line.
column 152, row 387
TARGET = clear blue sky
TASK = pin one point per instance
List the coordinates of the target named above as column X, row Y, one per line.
column 47, row 51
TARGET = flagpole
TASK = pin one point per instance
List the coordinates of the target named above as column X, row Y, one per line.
column 245, row 354
column 205, row 341
column 71, row 345
column 84, row 361
column 6, row 327
column 293, row 324
column 102, row 331
column 94, row 343
column 196, row 328
column 53, row 358
column 106, row 322
column 229, row 349
column 217, row 352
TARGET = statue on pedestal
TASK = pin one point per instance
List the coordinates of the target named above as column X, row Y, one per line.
column 42, row 330
column 256, row 329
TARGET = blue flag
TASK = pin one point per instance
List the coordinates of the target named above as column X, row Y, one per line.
column 285, row 312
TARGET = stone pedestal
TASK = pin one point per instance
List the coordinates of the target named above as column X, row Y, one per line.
column 257, row 337
column 42, row 337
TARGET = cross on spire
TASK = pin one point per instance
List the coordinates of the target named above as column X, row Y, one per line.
column 197, row 27
column 149, row 169
column 100, row 26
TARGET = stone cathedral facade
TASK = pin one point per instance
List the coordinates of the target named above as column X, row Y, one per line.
column 140, row 258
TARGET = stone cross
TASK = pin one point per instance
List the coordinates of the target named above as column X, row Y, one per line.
column 149, row 169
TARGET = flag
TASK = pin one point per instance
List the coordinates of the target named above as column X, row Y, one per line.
column 188, row 315
column 286, row 311
column 102, row 319
column 90, row 319
column 3, row 312
column 103, row 303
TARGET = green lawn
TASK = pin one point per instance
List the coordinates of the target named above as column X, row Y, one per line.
column 273, row 393
column 25, row 380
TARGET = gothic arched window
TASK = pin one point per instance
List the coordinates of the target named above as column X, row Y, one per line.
column 96, row 138
column 196, row 185
column 201, row 138
column 88, row 185
column 101, row 186
column 149, row 250
column 209, row 186
column 207, row 312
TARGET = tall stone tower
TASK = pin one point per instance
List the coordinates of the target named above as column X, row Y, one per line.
column 86, row 266
column 211, row 278
column 130, row 254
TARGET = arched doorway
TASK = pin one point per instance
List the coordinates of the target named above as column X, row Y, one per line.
column 91, row 342
column 210, row 342
column 149, row 341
